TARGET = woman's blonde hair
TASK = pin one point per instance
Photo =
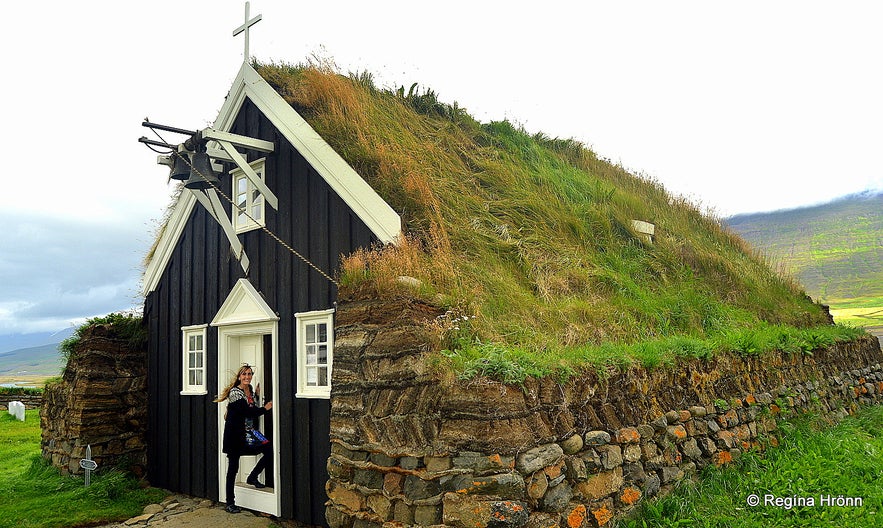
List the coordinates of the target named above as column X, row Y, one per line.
column 234, row 383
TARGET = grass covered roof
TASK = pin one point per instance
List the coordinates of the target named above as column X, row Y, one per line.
column 529, row 239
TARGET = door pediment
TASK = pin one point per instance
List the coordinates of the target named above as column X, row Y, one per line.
column 244, row 304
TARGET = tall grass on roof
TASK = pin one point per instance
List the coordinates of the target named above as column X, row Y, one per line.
column 532, row 236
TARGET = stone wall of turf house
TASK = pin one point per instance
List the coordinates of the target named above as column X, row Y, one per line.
column 411, row 448
column 100, row 401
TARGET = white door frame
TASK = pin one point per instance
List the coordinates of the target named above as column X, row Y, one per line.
column 245, row 313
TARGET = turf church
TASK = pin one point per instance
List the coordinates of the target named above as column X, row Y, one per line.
column 243, row 273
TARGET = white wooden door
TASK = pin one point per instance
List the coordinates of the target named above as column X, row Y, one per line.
column 238, row 345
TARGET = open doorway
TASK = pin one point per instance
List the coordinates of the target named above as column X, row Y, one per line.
column 247, row 333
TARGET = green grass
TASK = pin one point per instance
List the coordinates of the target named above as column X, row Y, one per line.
column 813, row 460
column 35, row 495
column 471, row 359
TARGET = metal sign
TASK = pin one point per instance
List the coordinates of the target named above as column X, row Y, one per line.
column 88, row 464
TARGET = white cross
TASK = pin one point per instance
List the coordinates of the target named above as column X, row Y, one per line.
column 245, row 27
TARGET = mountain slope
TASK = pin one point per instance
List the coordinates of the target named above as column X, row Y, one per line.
column 835, row 250
column 43, row 360
column 10, row 342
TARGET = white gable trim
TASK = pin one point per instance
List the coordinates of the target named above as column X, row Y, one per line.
column 167, row 242
column 380, row 218
column 244, row 305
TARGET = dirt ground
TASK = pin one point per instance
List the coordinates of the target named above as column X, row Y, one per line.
column 190, row 512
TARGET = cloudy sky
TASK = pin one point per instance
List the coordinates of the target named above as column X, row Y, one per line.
column 741, row 106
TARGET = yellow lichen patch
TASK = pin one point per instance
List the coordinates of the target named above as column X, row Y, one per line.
column 722, row 458
column 602, row 515
column 577, row 517
column 630, row 495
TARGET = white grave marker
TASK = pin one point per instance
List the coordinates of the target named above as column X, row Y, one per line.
column 17, row 409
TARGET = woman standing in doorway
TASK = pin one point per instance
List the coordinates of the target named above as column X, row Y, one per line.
column 242, row 409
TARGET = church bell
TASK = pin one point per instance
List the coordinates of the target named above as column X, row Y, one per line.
column 201, row 174
column 180, row 169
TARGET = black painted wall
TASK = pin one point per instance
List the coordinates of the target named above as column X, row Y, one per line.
column 183, row 446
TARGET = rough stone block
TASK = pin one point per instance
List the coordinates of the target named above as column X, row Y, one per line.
column 597, row 438
column 537, row 485
column 380, row 505
column 381, row 459
column 409, row 462
column 509, row 485
column 478, row 463
column 611, row 456
column 508, row 514
column 341, row 496
column 627, row 435
column 393, row 484
column 697, row 411
column 575, row 469
column 646, row 431
column 465, row 511
column 676, row 433
column 557, row 498
column 572, row 445
column 631, row 453
column 338, row 470
column 634, row 473
column 427, row 515
column 403, row 513
column 368, row 478
column 538, row 457
column 691, row 449
column 416, row 488
column 601, row 485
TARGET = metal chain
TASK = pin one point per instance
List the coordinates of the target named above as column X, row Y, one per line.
column 263, row 227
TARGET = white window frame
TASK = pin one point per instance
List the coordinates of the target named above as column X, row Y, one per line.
column 187, row 332
column 305, row 319
column 253, row 198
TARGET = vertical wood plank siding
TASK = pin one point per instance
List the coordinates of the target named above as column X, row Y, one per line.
column 183, row 444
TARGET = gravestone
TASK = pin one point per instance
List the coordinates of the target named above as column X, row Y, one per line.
column 17, row 409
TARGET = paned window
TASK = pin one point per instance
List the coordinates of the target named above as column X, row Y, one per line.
column 315, row 349
column 248, row 213
column 194, row 346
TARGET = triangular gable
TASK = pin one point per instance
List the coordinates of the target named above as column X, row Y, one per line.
column 244, row 305
column 377, row 215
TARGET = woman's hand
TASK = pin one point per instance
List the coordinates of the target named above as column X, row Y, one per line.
column 268, row 405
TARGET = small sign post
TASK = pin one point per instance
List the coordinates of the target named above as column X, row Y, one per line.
column 88, row 464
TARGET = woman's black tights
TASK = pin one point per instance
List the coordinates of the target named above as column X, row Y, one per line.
column 265, row 462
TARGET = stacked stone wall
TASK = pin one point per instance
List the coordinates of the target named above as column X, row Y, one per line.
column 30, row 400
column 412, row 448
column 100, row 401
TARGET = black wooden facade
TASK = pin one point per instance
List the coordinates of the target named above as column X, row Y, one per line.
column 312, row 218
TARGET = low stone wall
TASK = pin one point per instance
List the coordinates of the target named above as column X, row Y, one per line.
column 409, row 448
column 100, row 401
column 30, row 400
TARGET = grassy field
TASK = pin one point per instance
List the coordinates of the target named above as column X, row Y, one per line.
column 35, row 495
column 858, row 312
column 842, row 465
